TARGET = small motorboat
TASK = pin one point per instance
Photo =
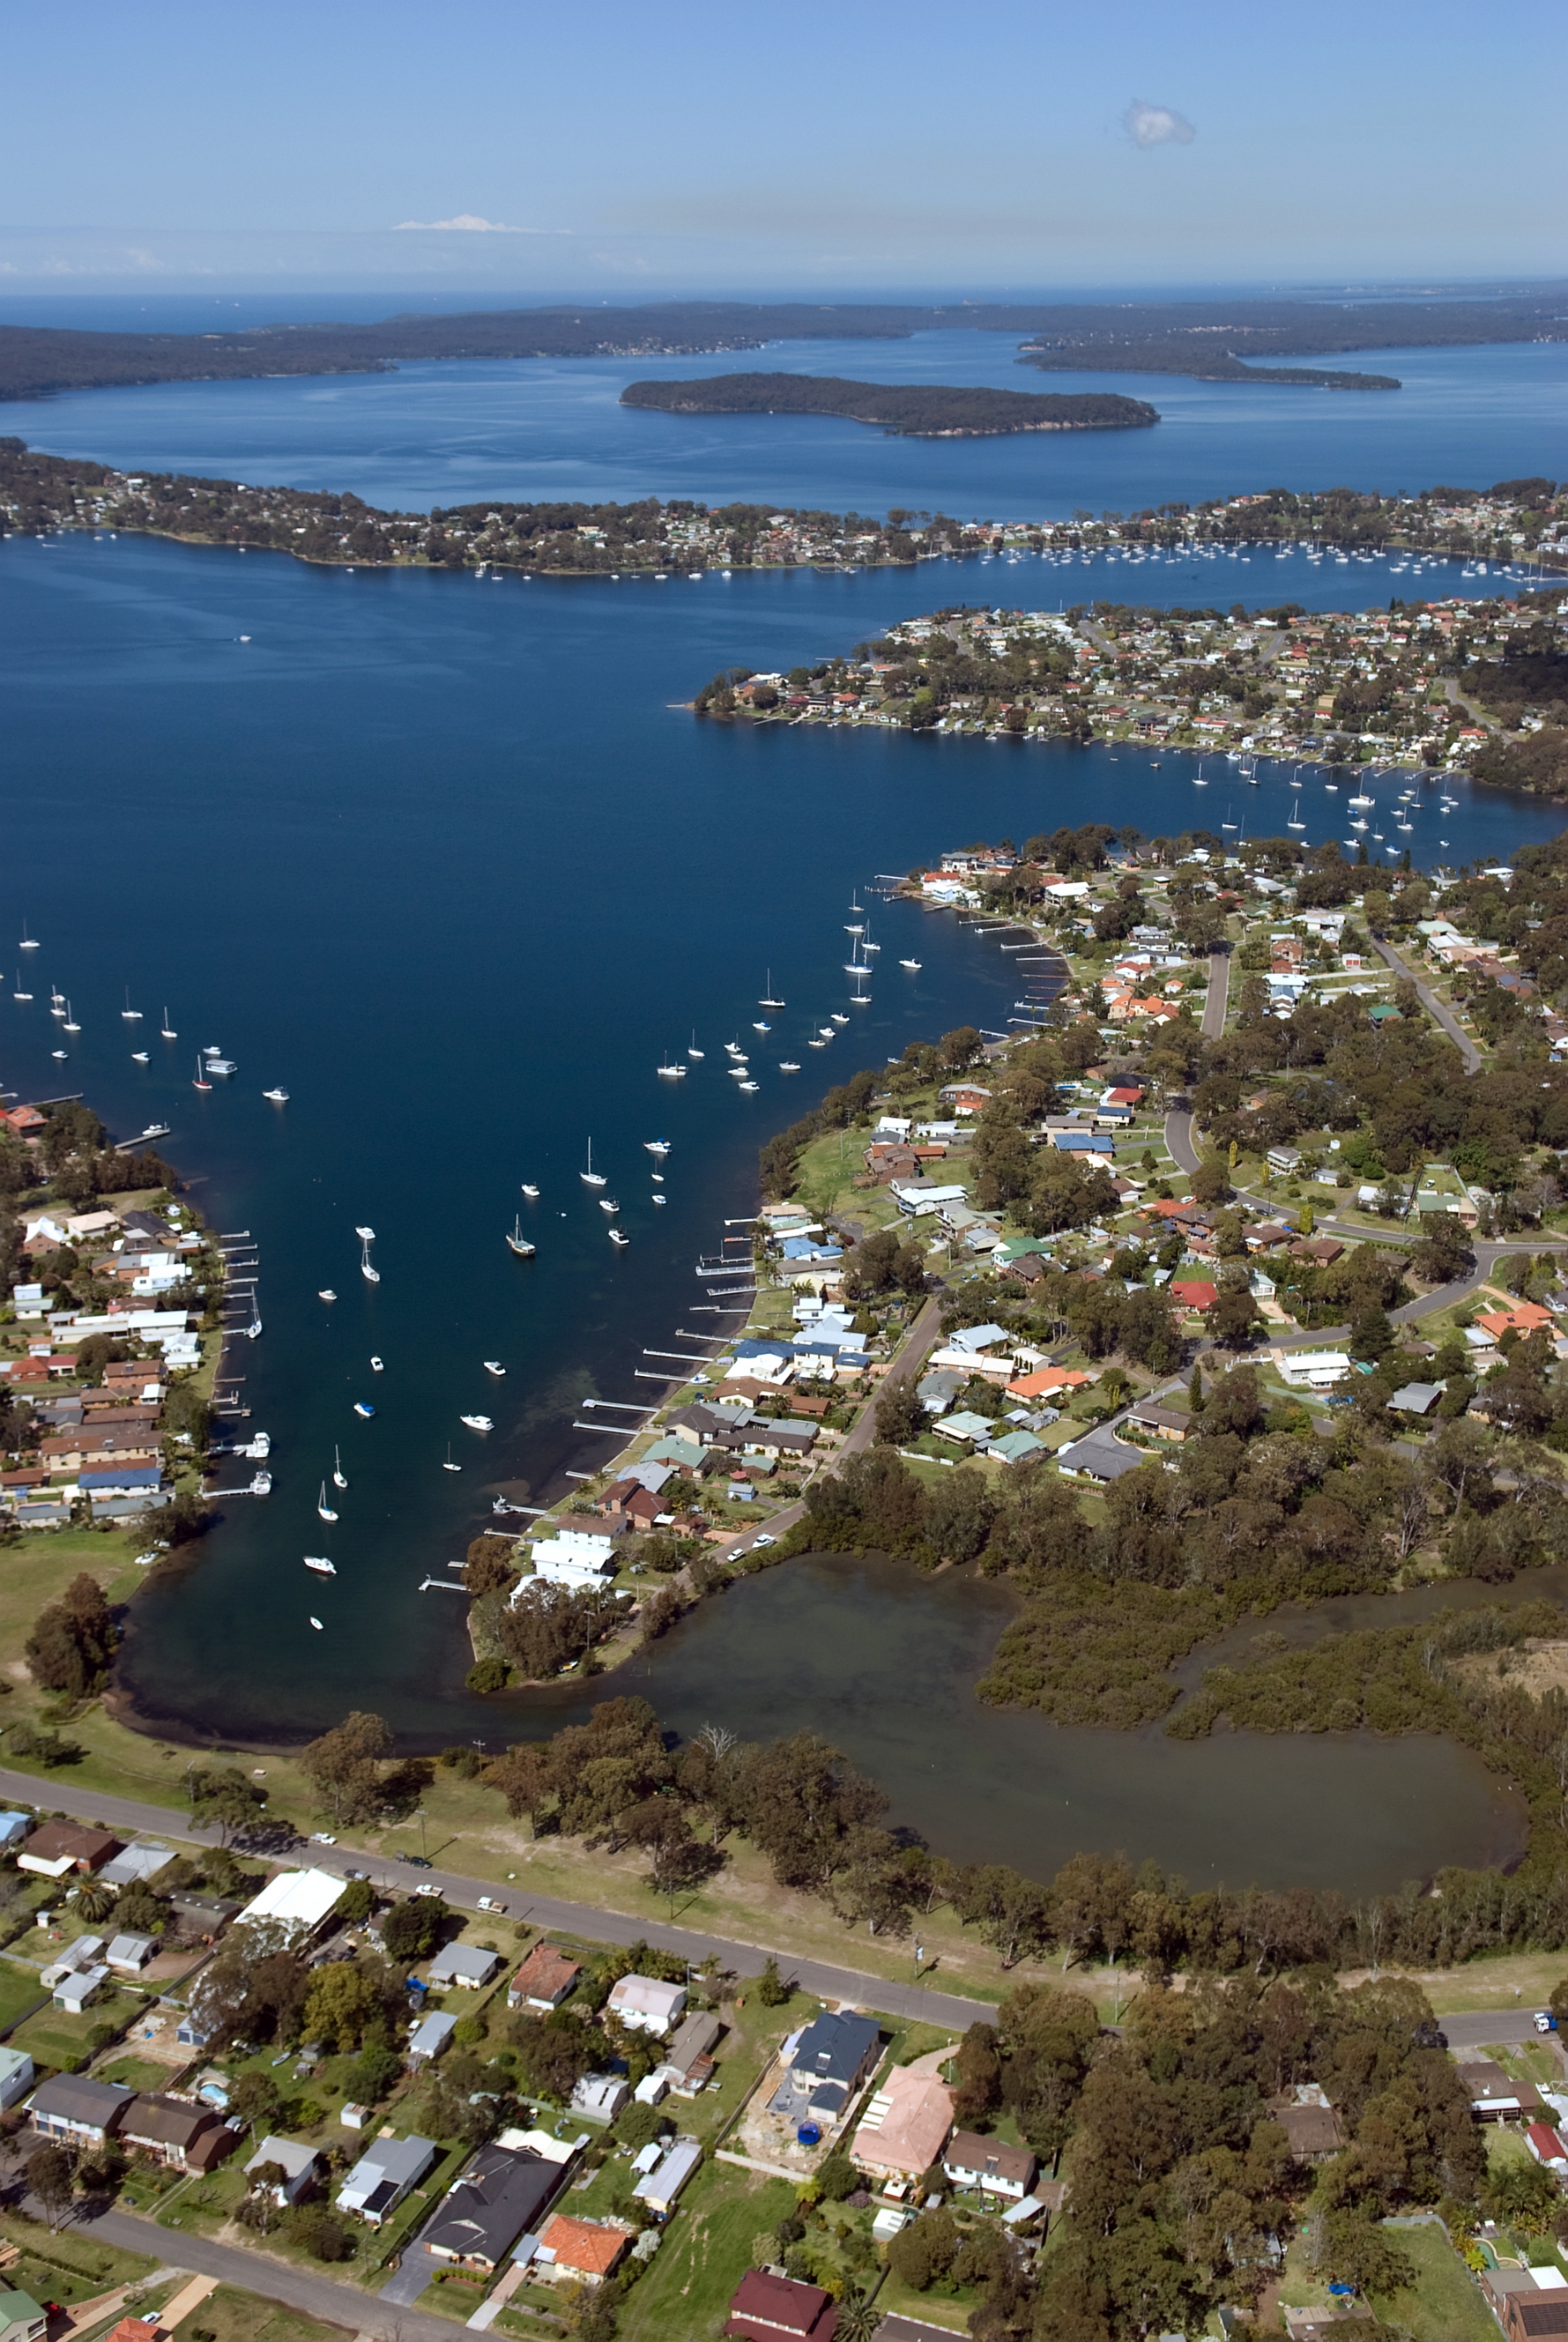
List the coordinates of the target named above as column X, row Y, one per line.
column 315, row 1622
column 449, row 1466
column 759, row 1024
column 659, row 1146
column 156, row 1130
column 322, row 1566
column 617, row 1238
column 225, row 1066
column 838, row 1019
column 788, row 1065
column 278, row 1097
column 658, row 1175
column 517, row 1242
column 339, row 1479
column 323, row 1508
column 138, row 1057
column 61, row 1054
column 606, row 1205
column 366, row 1235
column 748, row 1085
column 661, row 1200
column 377, row 1366
column 326, row 1293
column 530, row 1190
column 478, row 1422
column 493, row 1366
column 363, row 1406
column 911, row 964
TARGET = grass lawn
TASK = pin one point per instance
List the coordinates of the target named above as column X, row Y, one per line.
column 451, row 2297
column 1445, row 2304
column 135, row 2074
column 935, row 2308
column 54, row 2037
column 19, row 1988
column 234, row 2317
column 707, row 2249
column 68, row 2267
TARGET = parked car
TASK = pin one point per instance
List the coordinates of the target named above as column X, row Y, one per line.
column 488, row 1903
column 322, row 1837
column 425, row 1888
column 1544, row 2021
column 415, row 1861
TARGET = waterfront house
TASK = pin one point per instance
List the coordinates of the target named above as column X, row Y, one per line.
column 496, row 2197
column 645, row 2004
column 543, row 1981
column 56, row 1847
column 581, row 2252
column 465, row 1964
column 82, row 2112
column 300, row 2165
column 176, row 2133
column 575, row 1557
column 985, row 2163
column 383, row 2175
column 905, row 2127
column 768, row 2308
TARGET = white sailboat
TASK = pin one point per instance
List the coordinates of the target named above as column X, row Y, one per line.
column 19, row 993
column 131, row 1015
column 768, row 1000
column 28, row 942
column 323, row 1508
column 517, row 1242
column 449, row 1466
column 339, row 1477
column 693, row 1051
column 168, row 1031
column 366, row 1238
column 590, row 1177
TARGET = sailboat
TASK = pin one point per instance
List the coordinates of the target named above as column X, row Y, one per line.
column 517, row 1242
column 323, row 1508
column 590, row 1177
column 19, row 993
column 71, row 1024
column 449, row 1466
column 169, row 1031
column 693, row 1051
column 366, row 1238
column 199, row 1084
column 28, row 942
column 671, row 1073
column 131, row 1015
column 767, row 1001
column 339, row 1478
column 854, row 964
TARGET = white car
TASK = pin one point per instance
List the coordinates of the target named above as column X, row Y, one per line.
column 763, row 1540
column 322, row 1837
column 425, row 1887
column 488, row 1903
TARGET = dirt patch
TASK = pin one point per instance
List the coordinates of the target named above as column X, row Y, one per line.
column 1537, row 1667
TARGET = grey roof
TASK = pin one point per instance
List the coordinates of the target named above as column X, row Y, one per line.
column 834, row 2049
column 1416, row 1398
column 133, row 1863
column 291, row 2154
column 73, row 2098
column 391, row 2162
column 1099, row 1456
column 692, row 2040
column 463, row 1960
column 431, row 2036
column 494, row 2197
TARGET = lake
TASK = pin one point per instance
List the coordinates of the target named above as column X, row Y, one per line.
column 442, row 857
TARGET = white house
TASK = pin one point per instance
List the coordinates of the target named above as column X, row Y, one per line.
column 643, row 2005
column 575, row 1557
column 299, row 2165
column 464, row 1964
column 1313, row 1369
column 295, row 1900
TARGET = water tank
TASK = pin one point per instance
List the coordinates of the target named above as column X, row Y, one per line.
column 809, row 2133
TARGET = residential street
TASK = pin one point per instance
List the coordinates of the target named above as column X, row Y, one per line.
column 830, row 1982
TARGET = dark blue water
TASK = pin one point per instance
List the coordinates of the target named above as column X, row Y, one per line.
column 441, row 856
column 449, row 433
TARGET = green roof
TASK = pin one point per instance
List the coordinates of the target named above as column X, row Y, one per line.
column 18, row 2309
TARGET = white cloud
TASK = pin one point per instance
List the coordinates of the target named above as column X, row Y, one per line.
column 1157, row 126
column 470, row 223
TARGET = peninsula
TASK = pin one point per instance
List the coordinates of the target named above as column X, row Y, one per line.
column 1209, row 339
column 905, row 410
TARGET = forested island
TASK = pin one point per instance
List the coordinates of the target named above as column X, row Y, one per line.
column 1208, row 339
column 905, row 410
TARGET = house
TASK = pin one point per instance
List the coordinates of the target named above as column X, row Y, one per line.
column 176, row 2133
column 576, row 1558
column 1416, row 1398
column 905, row 2127
column 543, row 1981
column 295, row 1901
column 1312, row 1369
column 968, row 1430
column 1098, row 1456
column 1528, row 2317
column 837, row 2049
column 1161, row 1421
column 1049, row 1383
column 659, row 2190
column 300, row 2165
column 134, row 1865
column 465, row 1964
column 15, row 2076
column 1015, row 1446
column 496, row 2198
column 383, row 2175
column 56, row 1847
column 1547, row 2148
column 128, row 1954
column 430, row 2036
column 24, row 1121
column 21, row 2319
column 72, row 2108
column 1193, row 1293
column 600, row 2097
column 78, row 1987
column 766, row 2308
column 688, row 2060
column 1526, row 1317
column 1309, row 2122
column 971, row 2161
column 81, row 1954
column 583, row 2252
column 1495, row 2095
column 13, row 1827
column 644, row 2005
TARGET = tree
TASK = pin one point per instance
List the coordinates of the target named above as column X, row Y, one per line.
column 74, row 1640
column 414, row 1928
column 801, row 1798
column 356, row 1902
column 50, row 2178
column 254, row 2100
column 263, row 2207
column 525, row 1776
column 320, row 2233
column 95, row 1901
column 373, row 2073
column 345, row 1765
column 340, row 2004
column 637, row 2126
column 224, row 1798
column 901, row 1414
column 491, row 1566
column 772, row 1991
column 925, row 2251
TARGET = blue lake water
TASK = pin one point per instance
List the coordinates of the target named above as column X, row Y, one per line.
column 442, row 857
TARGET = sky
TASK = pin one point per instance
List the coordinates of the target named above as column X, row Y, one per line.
column 615, row 149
